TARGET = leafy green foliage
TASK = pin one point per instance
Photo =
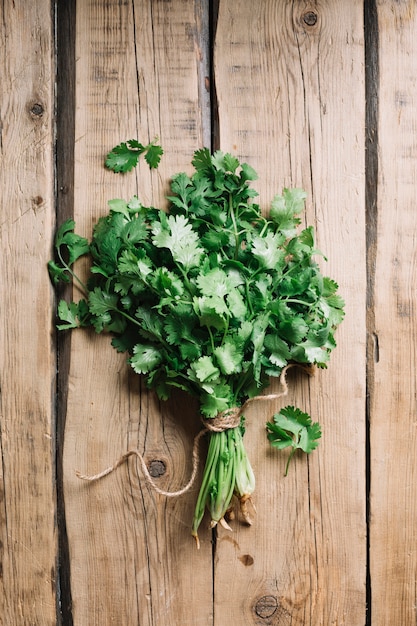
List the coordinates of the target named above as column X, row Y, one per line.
column 293, row 428
column 236, row 295
column 124, row 157
column 213, row 298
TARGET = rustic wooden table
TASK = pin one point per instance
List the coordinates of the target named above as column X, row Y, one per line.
column 319, row 95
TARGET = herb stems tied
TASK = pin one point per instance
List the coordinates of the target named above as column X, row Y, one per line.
column 227, row 473
column 212, row 298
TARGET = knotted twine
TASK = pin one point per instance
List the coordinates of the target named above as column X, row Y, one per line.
column 230, row 418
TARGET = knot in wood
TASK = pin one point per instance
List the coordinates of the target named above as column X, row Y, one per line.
column 230, row 418
column 310, row 18
column 266, row 606
column 37, row 109
column 157, row 468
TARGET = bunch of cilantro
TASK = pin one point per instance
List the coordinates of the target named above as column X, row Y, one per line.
column 212, row 298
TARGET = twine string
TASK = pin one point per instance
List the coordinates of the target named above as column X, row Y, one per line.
column 230, row 418
column 147, row 475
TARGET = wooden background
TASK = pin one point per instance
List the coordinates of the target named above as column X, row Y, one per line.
column 318, row 94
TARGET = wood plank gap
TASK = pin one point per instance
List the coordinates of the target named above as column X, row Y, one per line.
column 371, row 208
column 202, row 10
column 65, row 16
column 214, row 105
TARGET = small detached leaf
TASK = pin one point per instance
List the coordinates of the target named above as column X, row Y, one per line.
column 293, row 428
column 124, row 157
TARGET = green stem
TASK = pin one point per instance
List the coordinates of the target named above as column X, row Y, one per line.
column 227, row 471
column 73, row 274
column 289, row 460
column 248, row 298
column 296, row 301
column 208, row 476
column 225, row 476
column 235, row 230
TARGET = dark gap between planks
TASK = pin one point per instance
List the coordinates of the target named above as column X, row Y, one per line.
column 371, row 216
column 65, row 14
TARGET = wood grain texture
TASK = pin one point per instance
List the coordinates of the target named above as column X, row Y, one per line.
column 393, row 537
column 290, row 86
column 290, row 83
column 27, row 361
column 132, row 557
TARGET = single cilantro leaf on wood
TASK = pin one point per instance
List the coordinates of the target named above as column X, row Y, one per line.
column 125, row 156
column 293, row 428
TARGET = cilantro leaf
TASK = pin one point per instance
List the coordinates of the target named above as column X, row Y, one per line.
column 204, row 370
column 202, row 160
column 76, row 245
column 125, row 156
column 293, row 428
column 284, row 208
column 58, row 273
column 145, row 358
column 228, row 357
column 74, row 314
column 176, row 233
column 153, row 155
column 268, row 250
column 70, row 245
column 219, row 399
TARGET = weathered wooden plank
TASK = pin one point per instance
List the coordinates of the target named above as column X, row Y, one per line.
column 290, row 87
column 132, row 558
column 27, row 361
column 393, row 538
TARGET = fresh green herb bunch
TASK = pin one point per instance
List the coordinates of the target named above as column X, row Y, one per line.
column 213, row 298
